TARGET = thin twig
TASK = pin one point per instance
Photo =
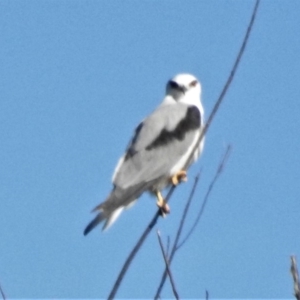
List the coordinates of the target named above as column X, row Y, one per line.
column 168, row 245
column 228, row 82
column 176, row 244
column 206, row 295
column 135, row 250
column 2, row 293
column 206, row 197
column 178, row 234
column 167, row 266
column 210, row 119
column 295, row 274
column 186, row 209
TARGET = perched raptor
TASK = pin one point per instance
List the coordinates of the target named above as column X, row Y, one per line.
column 158, row 152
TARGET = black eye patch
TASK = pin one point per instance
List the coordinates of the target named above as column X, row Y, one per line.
column 173, row 84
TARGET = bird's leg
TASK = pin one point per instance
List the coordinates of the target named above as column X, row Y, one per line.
column 179, row 177
column 162, row 204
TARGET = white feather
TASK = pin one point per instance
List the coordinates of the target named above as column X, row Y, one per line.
column 185, row 89
column 118, row 167
column 113, row 217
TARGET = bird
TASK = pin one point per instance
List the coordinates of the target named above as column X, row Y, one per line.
column 159, row 152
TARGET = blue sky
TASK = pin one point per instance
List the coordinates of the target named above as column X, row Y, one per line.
column 77, row 77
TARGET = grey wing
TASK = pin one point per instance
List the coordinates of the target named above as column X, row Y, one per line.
column 159, row 143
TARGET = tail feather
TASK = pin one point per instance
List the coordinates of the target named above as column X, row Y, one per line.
column 109, row 220
column 112, row 218
column 98, row 219
column 111, row 208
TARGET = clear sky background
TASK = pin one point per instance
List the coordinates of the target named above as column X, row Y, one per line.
column 76, row 77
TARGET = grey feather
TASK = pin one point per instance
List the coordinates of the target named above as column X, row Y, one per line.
column 159, row 149
column 118, row 198
column 146, row 164
column 164, row 117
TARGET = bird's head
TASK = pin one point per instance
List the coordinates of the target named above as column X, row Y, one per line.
column 184, row 88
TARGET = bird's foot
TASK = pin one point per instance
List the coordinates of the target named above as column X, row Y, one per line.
column 179, row 177
column 162, row 204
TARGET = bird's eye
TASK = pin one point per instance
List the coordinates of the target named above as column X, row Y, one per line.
column 193, row 83
column 173, row 84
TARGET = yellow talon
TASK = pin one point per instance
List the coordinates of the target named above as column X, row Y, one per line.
column 179, row 177
column 162, row 204
column 160, row 200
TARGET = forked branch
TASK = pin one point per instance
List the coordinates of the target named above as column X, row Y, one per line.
column 167, row 266
column 208, row 123
column 176, row 244
column 206, row 197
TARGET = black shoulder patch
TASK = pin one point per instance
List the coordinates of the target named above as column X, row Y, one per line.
column 130, row 151
column 191, row 121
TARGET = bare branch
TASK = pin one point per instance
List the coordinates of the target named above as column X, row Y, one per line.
column 2, row 293
column 206, row 295
column 210, row 119
column 168, row 245
column 186, row 209
column 178, row 234
column 295, row 274
column 209, row 190
column 176, row 244
column 135, row 250
column 228, row 82
column 167, row 266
